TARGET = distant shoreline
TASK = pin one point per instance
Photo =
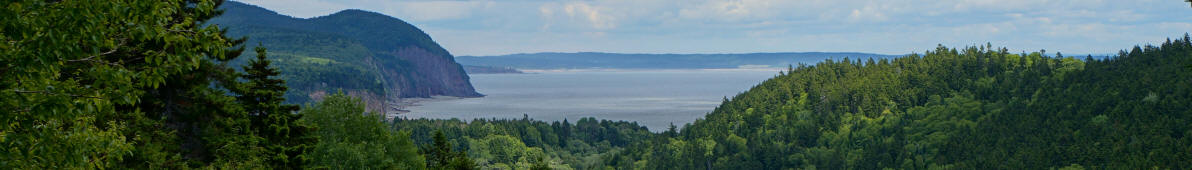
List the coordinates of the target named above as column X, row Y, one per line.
column 775, row 69
column 473, row 69
column 399, row 106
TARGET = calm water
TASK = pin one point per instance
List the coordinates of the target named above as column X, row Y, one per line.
column 652, row 98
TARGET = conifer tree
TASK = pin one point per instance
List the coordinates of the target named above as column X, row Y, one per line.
column 286, row 139
column 439, row 155
column 461, row 161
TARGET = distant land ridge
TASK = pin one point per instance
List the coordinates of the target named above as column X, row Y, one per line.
column 587, row 60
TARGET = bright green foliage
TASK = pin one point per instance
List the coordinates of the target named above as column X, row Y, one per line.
column 500, row 149
column 91, row 84
column 971, row 108
column 286, row 139
column 350, row 138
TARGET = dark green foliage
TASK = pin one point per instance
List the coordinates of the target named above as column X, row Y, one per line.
column 461, row 162
column 286, row 139
column 439, row 155
column 970, row 108
column 541, row 165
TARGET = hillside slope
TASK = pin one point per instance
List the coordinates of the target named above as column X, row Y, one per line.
column 970, row 108
column 367, row 54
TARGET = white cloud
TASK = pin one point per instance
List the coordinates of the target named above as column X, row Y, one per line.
column 592, row 14
column 868, row 13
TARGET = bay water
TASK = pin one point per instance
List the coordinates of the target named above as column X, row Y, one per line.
column 654, row 98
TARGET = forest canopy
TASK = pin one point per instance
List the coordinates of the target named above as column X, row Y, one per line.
column 961, row 108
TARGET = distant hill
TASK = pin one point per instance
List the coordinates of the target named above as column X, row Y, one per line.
column 586, row 60
column 367, row 54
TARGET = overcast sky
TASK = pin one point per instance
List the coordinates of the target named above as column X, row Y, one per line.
column 737, row 26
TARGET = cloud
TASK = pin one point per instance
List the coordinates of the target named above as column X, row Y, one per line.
column 868, row 13
column 589, row 13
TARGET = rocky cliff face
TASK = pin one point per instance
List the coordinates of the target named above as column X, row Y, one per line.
column 433, row 75
column 380, row 57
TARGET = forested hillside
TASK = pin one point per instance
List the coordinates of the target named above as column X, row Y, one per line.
column 369, row 55
column 966, row 108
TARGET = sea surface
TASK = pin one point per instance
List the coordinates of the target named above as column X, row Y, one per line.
column 654, row 98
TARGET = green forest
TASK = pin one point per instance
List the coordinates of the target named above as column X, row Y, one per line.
column 149, row 85
column 951, row 108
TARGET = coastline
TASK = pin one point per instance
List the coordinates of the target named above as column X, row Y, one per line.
column 535, row 71
column 399, row 106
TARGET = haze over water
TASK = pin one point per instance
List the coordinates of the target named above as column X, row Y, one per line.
column 654, row 98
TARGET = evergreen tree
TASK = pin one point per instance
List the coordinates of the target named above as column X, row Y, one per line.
column 671, row 131
column 438, row 155
column 286, row 139
column 461, row 161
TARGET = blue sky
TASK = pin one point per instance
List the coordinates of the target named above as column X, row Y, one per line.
column 484, row 27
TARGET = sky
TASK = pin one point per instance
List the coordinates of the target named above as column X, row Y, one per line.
column 487, row 27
